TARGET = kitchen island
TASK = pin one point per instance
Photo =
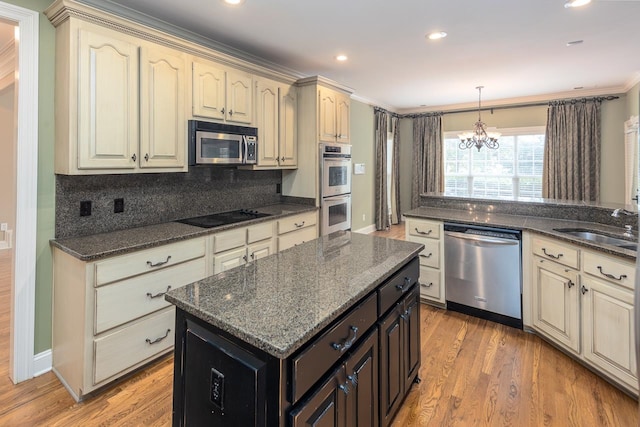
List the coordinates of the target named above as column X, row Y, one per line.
column 319, row 332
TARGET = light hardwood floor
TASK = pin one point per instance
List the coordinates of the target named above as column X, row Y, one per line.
column 474, row 373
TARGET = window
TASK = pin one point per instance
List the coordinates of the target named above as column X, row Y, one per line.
column 512, row 171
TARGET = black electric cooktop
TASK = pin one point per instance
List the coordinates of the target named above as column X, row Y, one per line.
column 223, row 218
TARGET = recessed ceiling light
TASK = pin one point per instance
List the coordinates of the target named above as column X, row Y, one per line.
column 342, row 58
column 575, row 42
column 576, row 3
column 233, row 2
column 437, row 35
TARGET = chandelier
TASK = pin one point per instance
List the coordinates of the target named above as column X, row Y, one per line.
column 479, row 137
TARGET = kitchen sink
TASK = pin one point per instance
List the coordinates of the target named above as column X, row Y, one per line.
column 595, row 236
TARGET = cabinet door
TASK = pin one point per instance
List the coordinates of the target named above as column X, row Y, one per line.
column 288, row 146
column 228, row 260
column 343, row 120
column 362, row 374
column 208, row 91
column 239, row 97
column 608, row 318
column 391, row 358
column 163, row 132
column 327, row 110
column 107, row 102
column 411, row 338
column 555, row 302
column 267, row 122
column 260, row 250
column 325, row 407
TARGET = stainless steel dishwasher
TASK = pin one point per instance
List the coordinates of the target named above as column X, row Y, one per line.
column 483, row 272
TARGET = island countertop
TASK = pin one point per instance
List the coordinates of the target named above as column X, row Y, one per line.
column 279, row 302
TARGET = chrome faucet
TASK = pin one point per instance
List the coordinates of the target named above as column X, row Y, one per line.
column 616, row 213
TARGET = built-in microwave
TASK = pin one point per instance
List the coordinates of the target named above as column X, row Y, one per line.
column 221, row 144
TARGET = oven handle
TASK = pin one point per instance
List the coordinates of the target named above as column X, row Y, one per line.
column 336, row 198
column 336, row 160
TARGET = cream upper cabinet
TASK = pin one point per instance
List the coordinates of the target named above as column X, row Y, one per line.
column 276, row 120
column 221, row 94
column 334, row 109
column 107, row 107
column 288, row 145
column 162, row 109
column 119, row 103
column 267, row 122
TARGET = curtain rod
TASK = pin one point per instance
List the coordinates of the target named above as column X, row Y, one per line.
column 505, row 107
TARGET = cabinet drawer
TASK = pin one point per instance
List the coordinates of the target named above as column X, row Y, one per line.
column 134, row 344
column 138, row 296
column 611, row 269
column 429, row 283
column 229, row 239
column 296, row 222
column 324, row 351
column 430, row 255
column 296, row 238
column 144, row 261
column 397, row 286
column 424, row 228
column 258, row 232
column 556, row 251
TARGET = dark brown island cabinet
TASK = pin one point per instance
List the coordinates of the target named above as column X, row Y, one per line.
column 355, row 372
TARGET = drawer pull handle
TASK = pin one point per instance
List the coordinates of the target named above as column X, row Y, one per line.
column 157, row 340
column 348, row 342
column 299, row 225
column 424, row 233
column 158, row 264
column 354, row 379
column 584, row 290
column 407, row 313
column 570, row 284
column 427, row 256
column 405, row 287
column 551, row 255
column 159, row 294
column 611, row 276
column 345, row 388
column 427, row 285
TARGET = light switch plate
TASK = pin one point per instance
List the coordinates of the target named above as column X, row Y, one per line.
column 358, row 169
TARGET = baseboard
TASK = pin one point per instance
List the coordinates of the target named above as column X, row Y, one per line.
column 42, row 363
column 366, row 230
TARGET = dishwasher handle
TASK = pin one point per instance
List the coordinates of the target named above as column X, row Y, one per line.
column 481, row 239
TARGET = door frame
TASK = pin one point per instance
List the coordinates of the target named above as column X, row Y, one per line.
column 23, row 294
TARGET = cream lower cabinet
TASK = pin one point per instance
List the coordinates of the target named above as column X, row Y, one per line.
column 110, row 316
column 297, row 229
column 238, row 246
column 119, row 103
column 430, row 234
column 583, row 301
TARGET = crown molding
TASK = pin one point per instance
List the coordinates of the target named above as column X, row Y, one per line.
column 126, row 20
column 321, row 80
column 520, row 101
column 634, row 80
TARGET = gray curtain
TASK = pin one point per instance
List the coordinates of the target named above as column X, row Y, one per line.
column 395, row 172
column 381, row 207
column 572, row 151
column 427, row 170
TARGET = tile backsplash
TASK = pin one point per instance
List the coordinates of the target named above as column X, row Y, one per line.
column 155, row 198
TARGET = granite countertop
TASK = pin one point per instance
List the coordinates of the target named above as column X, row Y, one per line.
column 540, row 225
column 278, row 303
column 96, row 246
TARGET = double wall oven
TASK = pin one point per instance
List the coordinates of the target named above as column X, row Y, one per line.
column 335, row 187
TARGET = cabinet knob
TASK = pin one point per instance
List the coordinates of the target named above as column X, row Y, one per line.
column 244, row 257
column 222, row 111
column 231, row 112
column 146, row 157
column 570, row 284
column 584, row 290
column 282, row 158
column 134, row 157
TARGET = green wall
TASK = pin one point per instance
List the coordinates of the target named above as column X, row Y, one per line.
column 363, row 151
column 46, row 181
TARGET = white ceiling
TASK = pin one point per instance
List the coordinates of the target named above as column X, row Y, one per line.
column 516, row 49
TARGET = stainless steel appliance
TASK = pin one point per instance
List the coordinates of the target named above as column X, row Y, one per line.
column 483, row 272
column 221, row 144
column 223, row 218
column 335, row 187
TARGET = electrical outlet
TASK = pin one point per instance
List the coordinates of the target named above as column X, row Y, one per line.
column 278, row 188
column 85, row 208
column 118, row 205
